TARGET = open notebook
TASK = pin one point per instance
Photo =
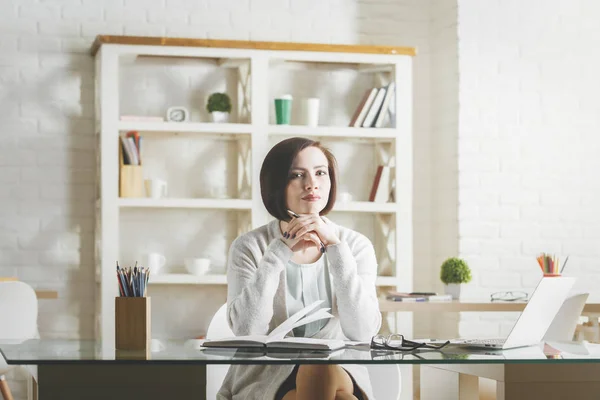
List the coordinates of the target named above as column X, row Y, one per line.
column 277, row 340
column 265, row 353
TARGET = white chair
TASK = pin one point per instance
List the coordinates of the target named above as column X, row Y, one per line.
column 18, row 316
column 217, row 329
column 385, row 379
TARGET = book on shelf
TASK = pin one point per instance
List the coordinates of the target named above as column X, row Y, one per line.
column 384, row 111
column 381, row 188
column 363, row 107
column 417, row 297
column 141, row 118
column 130, row 148
column 374, row 109
column 277, row 340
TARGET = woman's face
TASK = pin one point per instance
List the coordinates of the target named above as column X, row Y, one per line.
column 308, row 189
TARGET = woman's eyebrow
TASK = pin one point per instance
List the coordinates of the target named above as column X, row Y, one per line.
column 304, row 169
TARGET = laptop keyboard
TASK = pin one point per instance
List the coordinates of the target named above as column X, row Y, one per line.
column 486, row 341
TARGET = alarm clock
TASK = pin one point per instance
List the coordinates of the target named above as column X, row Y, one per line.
column 178, row 114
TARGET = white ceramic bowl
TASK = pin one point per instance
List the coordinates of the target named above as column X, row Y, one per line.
column 197, row 266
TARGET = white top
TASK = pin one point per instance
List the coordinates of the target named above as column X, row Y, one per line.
column 256, row 302
column 307, row 283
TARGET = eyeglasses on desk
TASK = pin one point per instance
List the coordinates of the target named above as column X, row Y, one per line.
column 396, row 341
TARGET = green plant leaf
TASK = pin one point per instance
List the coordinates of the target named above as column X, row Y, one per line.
column 218, row 102
column 455, row 270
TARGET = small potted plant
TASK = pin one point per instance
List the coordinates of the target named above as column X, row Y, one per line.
column 219, row 107
column 454, row 272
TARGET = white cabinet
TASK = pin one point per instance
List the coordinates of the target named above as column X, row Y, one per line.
column 212, row 169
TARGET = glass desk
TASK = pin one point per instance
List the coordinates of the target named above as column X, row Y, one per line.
column 49, row 351
column 176, row 369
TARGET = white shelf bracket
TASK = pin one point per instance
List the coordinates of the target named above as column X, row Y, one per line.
column 244, row 92
column 386, row 249
column 244, row 169
column 244, row 222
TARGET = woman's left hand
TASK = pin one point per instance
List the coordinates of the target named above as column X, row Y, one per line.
column 312, row 223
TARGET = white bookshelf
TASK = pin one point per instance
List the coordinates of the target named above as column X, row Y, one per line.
column 334, row 132
column 187, row 127
column 216, row 204
column 188, row 279
column 253, row 133
column 365, row 207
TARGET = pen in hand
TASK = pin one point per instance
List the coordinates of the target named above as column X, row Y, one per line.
column 293, row 214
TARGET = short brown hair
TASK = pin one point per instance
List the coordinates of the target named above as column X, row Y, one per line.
column 275, row 175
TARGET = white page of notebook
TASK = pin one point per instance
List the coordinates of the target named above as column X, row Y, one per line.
column 289, row 323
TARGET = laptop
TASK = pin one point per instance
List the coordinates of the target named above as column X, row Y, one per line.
column 565, row 323
column 533, row 323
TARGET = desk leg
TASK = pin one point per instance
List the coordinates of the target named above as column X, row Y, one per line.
column 441, row 384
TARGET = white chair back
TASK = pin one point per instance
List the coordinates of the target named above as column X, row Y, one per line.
column 215, row 374
column 18, row 311
column 385, row 379
column 18, row 322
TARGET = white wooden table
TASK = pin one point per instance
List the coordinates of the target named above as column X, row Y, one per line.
column 41, row 294
column 513, row 381
column 465, row 306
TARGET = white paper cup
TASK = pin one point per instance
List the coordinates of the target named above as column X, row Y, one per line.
column 155, row 262
column 310, row 112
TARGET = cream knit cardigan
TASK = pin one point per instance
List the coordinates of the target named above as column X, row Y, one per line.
column 256, row 302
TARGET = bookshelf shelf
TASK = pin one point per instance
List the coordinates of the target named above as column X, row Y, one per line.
column 222, row 204
column 337, row 132
column 187, row 279
column 184, row 127
column 366, row 207
column 328, row 66
column 229, row 155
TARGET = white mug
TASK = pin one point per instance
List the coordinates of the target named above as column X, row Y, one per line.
column 197, row 266
column 156, row 188
column 310, row 112
column 344, row 197
column 155, row 261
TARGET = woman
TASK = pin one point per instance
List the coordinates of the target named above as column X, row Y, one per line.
column 277, row 269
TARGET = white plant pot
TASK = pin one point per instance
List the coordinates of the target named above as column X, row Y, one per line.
column 453, row 289
column 219, row 116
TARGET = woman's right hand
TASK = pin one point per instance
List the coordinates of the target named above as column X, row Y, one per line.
column 300, row 242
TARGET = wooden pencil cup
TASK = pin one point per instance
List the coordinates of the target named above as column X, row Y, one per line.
column 132, row 323
column 131, row 181
column 131, row 178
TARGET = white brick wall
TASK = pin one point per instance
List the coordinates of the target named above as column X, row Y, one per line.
column 527, row 144
column 442, row 177
column 46, row 123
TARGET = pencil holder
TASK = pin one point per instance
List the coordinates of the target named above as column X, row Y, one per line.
column 552, row 275
column 132, row 323
column 131, row 178
column 131, row 181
